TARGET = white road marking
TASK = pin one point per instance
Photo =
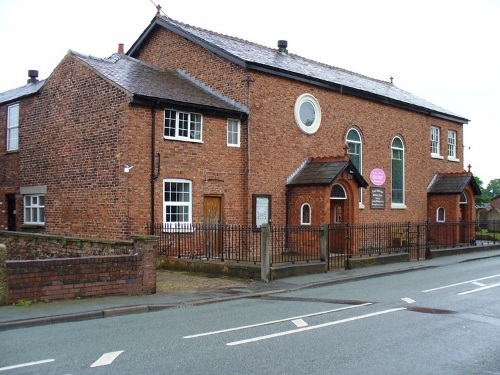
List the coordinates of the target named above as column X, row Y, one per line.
column 462, row 283
column 275, row 321
column 478, row 284
column 299, row 323
column 106, row 359
column 478, row 290
column 408, row 300
column 27, row 364
column 309, row 328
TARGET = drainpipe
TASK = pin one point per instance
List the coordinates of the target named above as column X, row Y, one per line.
column 153, row 175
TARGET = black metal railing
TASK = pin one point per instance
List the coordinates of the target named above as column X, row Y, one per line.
column 302, row 244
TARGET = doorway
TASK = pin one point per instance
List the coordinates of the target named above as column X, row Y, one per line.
column 11, row 212
column 212, row 218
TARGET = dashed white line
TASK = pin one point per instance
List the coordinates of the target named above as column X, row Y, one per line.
column 408, row 300
column 27, row 364
column 309, row 328
column 275, row 321
column 106, row 359
column 299, row 323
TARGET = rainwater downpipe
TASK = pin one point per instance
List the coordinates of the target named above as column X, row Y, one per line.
column 153, row 175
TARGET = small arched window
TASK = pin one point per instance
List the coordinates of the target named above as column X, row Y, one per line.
column 463, row 198
column 440, row 215
column 305, row 214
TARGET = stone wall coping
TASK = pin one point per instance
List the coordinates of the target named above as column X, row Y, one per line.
column 67, row 238
column 75, row 260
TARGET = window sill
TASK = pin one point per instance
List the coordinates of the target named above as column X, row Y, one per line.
column 361, row 206
column 12, row 152
column 436, row 156
column 33, row 226
column 453, row 160
column 398, row 206
column 182, row 140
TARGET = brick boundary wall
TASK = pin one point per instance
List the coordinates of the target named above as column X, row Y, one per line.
column 82, row 276
column 3, row 275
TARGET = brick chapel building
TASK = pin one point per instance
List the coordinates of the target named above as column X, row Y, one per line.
column 191, row 126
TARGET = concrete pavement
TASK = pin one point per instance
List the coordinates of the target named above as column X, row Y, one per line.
column 176, row 289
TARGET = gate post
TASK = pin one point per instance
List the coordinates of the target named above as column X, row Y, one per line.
column 4, row 280
column 265, row 264
column 324, row 255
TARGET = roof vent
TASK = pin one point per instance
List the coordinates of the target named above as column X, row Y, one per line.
column 282, row 46
column 33, row 76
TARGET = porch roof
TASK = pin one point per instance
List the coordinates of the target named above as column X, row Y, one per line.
column 452, row 184
column 324, row 173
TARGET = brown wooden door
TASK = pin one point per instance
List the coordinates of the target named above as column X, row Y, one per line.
column 212, row 218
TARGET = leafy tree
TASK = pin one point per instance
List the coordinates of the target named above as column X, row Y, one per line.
column 493, row 188
column 483, row 198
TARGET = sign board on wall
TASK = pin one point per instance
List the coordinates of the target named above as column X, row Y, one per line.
column 377, row 177
column 377, row 198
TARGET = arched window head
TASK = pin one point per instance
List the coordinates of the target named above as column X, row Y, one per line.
column 338, row 192
column 305, row 214
column 440, row 215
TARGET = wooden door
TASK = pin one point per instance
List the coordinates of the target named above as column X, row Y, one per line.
column 212, row 218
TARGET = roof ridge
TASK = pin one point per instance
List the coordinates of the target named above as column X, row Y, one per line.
column 183, row 24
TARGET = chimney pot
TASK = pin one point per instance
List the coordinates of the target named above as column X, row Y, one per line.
column 33, row 76
column 282, row 45
column 120, row 48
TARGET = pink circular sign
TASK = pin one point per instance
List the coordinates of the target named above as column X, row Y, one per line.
column 377, row 176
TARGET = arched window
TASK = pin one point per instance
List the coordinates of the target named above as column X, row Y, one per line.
column 305, row 214
column 338, row 192
column 398, row 171
column 463, row 198
column 355, row 151
column 440, row 215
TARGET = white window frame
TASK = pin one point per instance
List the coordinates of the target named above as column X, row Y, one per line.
column 34, row 209
column 452, row 145
column 358, row 144
column 178, row 225
column 13, row 127
column 398, row 205
column 438, row 219
column 435, row 142
column 233, row 131
column 307, row 99
column 189, row 119
column 302, row 222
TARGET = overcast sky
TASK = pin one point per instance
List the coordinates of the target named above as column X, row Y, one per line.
column 445, row 51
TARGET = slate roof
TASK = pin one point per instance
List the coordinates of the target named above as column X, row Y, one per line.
column 253, row 56
column 324, row 173
column 146, row 81
column 21, row 92
column 452, row 184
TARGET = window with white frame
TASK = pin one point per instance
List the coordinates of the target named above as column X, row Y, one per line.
column 177, row 203
column 34, row 209
column 13, row 127
column 355, row 151
column 452, row 144
column 184, row 126
column 307, row 113
column 398, row 171
column 435, row 141
column 305, row 214
column 233, row 133
column 440, row 215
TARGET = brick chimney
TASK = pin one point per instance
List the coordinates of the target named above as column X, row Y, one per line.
column 120, row 48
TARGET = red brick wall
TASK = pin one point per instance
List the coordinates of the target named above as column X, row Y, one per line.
column 73, row 147
column 81, row 275
column 278, row 147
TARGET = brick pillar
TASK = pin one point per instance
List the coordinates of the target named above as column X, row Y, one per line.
column 146, row 247
column 4, row 281
column 324, row 253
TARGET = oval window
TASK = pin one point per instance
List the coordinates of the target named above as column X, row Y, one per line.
column 307, row 113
